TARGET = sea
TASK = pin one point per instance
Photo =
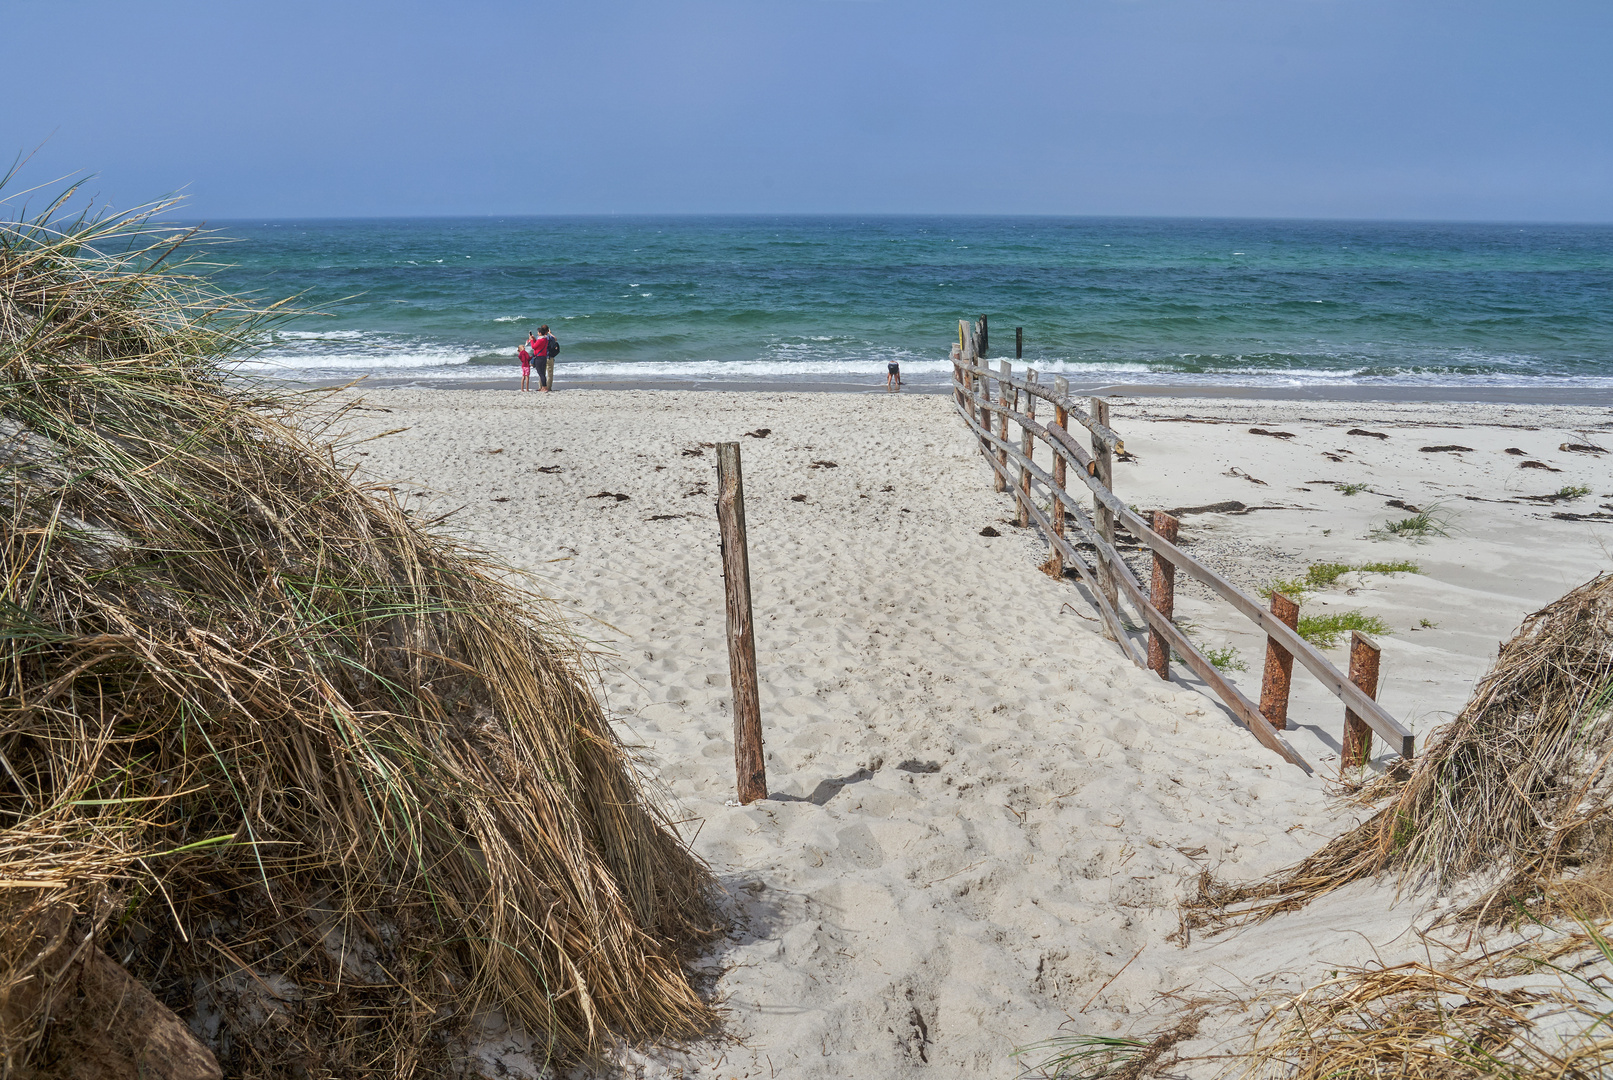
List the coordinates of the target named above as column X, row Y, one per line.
column 830, row 300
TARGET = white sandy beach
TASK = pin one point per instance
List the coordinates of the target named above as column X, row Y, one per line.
column 981, row 811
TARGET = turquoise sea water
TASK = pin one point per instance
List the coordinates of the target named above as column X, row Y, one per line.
column 1239, row 303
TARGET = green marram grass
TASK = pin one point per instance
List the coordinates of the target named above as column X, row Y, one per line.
column 1418, row 528
column 1080, row 1057
column 253, row 716
column 1226, row 658
column 1324, row 575
column 1324, row 631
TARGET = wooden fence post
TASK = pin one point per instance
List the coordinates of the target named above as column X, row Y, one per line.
column 1003, row 399
column 1162, row 596
column 1279, row 673
column 1061, row 418
column 960, row 381
column 1104, row 471
column 1364, row 657
column 748, row 760
column 1019, row 342
column 983, row 384
column 984, row 337
column 1027, row 446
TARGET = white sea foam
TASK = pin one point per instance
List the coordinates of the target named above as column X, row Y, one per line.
column 341, row 353
column 318, row 335
column 322, row 363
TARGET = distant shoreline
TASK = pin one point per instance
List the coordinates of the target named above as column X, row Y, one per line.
column 1497, row 395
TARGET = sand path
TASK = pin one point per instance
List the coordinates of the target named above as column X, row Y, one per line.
column 981, row 811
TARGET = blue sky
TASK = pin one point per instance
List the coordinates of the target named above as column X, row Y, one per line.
column 1429, row 109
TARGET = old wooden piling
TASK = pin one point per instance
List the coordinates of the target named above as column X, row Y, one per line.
column 1103, row 471
column 1364, row 659
column 1019, row 343
column 1061, row 419
column 1279, row 672
column 1162, row 596
column 749, row 765
column 1002, row 416
column 1027, row 446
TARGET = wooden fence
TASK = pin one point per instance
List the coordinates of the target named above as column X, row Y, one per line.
column 991, row 400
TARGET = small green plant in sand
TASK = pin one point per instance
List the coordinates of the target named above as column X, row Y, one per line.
column 1573, row 491
column 1428, row 624
column 1324, row 631
column 1435, row 521
column 1222, row 659
column 1352, row 489
column 1226, row 659
column 1324, row 575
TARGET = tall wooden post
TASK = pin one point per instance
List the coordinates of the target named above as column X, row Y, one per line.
column 1019, row 342
column 979, row 389
column 1279, row 672
column 960, row 382
column 1364, row 657
column 1061, row 418
column 983, row 384
column 748, row 761
column 1003, row 400
column 984, row 336
column 1104, row 469
column 1027, row 446
column 1162, row 596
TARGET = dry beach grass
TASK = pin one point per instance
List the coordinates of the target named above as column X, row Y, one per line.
column 319, row 775
column 1517, row 781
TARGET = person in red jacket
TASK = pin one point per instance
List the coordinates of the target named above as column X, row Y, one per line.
column 544, row 349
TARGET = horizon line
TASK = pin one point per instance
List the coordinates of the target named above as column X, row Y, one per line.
column 852, row 214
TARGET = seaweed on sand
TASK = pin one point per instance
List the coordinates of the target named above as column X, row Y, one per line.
column 323, row 779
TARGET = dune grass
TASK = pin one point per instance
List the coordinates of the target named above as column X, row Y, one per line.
column 1536, row 1009
column 1515, row 788
column 1418, row 528
column 1517, row 783
column 1324, row 631
column 1324, row 575
column 258, row 728
column 1080, row 1057
column 1226, row 658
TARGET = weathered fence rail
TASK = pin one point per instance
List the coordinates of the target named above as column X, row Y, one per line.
column 989, row 401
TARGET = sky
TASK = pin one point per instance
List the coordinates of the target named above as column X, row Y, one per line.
column 1394, row 109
